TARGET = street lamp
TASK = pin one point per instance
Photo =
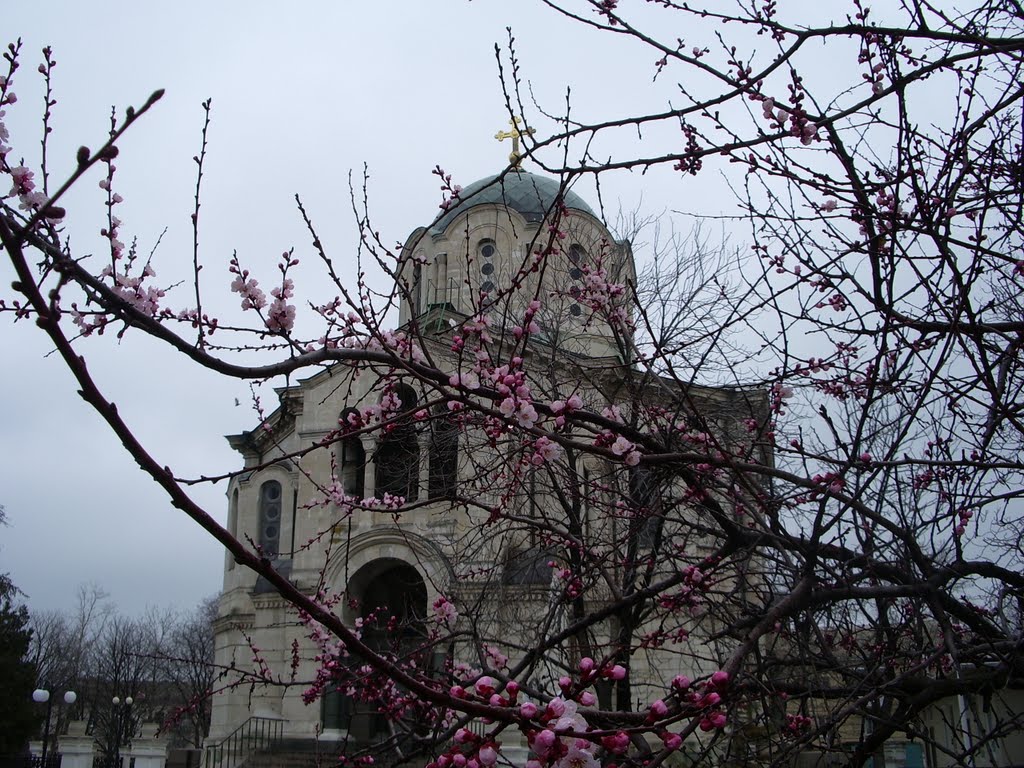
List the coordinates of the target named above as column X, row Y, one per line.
column 122, row 717
column 42, row 696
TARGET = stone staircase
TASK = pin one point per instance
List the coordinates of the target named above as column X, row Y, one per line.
column 305, row 753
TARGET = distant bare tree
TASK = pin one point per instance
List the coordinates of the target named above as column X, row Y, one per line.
column 186, row 667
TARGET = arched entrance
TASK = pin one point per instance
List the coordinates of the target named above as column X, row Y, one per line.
column 389, row 597
column 392, row 603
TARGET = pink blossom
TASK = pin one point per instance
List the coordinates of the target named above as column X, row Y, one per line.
column 526, row 415
column 587, row 699
column 618, row 672
column 659, row 708
column 546, row 450
column 468, row 380
column 569, row 719
column 671, row 740
column 22, row 178
column 617, row 743
column 613, row 413
column 578, row 756
column 280, row 317
column 285, row 291
column 488, row 755
column 495, row 658
column 445, row 612
column 621, row 446
column 543, row 742
column 252, row 296
column 528, row 710
column 720, row 679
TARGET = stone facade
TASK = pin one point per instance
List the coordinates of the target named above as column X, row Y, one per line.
column 479, row 257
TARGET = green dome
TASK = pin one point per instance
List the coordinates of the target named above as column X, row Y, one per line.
column 532, row 196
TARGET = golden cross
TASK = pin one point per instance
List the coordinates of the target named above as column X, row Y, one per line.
column 515, row 159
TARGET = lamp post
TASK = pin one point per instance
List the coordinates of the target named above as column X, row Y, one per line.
column 122, row 711
column 42, row 696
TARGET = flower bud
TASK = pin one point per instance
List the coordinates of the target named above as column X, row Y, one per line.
column 671, row 740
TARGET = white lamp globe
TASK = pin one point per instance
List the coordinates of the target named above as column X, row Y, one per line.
column 70, row 697
column 40, row 696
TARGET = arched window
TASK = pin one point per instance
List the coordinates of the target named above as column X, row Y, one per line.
column 270, row 517
column 645, row 501
column 417, row 287
column 397, row 458
column 444, row 456
column 232, row 525
column 351, row 461
column 336, row 710
column 577, row 256
column 487, row 258
column 441, row 293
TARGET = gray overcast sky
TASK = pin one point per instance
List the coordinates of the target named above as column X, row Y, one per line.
column 299, row 98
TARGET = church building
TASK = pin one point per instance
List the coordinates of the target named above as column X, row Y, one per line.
column 422, row 520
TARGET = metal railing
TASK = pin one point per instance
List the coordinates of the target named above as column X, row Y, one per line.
column 255, row 734
column 30, row 761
